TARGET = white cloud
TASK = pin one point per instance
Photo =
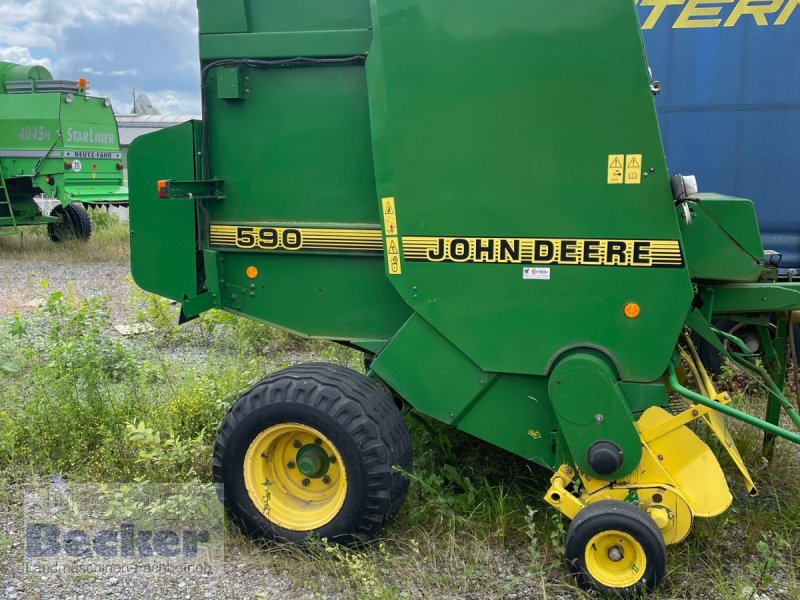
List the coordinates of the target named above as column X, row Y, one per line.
column 117, row 44
column 44, row 20
column 22, row 56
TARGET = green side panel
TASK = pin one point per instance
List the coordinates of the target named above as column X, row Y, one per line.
column 275, row 28
column 430, row 373
column 723, row 242
column 334, row 297
column 591, row 408
column 498, row 121
column 301, row 150
column 641, row 396
column 302, row 155
column 234, row 16
column 509, row 411
column 285, row 45
column 223, row 17
column 163, row 232
column 516, row 415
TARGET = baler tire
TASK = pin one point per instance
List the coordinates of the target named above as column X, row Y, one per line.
column 615, row 522
column 74, row 223
column 352, row 417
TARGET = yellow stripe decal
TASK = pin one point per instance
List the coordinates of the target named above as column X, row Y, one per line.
column 476, row 250
column 297, row 239
column 544, row 251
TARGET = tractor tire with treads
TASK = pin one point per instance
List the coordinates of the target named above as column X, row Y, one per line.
column 73, row 223
column 313, row 450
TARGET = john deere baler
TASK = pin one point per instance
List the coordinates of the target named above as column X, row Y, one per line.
column 58, row 145
column 475, row 194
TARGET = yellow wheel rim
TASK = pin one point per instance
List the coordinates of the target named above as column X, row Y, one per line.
column 295, row 476
column 615, row 559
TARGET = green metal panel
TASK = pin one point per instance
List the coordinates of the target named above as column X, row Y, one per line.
column 498, row 121
column 512, row 412
column 723, row 241
column 163, row 232
column 591, row 407
column 278, row 15
column 308, row 163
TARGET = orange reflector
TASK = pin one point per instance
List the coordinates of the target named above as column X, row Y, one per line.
column 632, row 310
column 252, row 272
column 163, row 188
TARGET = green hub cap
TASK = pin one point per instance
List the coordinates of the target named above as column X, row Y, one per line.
column 313, row 461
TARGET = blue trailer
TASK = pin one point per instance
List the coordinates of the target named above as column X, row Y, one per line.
column 730, row 102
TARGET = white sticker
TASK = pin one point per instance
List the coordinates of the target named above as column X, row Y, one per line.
column 534, row 273
column 77, row 166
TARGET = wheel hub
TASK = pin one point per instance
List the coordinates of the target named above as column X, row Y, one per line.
column 312, row 461
column 615, row 554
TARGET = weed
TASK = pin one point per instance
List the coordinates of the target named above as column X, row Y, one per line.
column 109, row 243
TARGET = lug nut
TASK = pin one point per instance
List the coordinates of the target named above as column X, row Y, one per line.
column 297, row 444
column 318, row 442
column 291, row 465
column 333, row 458
column 326, row 480
column 306, row 482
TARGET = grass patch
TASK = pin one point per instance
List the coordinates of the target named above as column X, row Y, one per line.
column 110, row 241
column 85, row 404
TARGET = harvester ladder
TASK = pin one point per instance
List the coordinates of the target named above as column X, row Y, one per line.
column 5, row 200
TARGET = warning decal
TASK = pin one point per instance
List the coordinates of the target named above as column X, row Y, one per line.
column 616, row 169
column 393, row 256
column 633, row 169
column 624, row 168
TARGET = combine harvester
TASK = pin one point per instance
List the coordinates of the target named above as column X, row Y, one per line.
column 58, row 146
column 475, row 195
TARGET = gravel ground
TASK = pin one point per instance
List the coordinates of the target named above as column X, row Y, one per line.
column 244, row 573
column 21, row 284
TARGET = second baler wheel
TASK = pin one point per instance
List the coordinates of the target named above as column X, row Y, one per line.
column 616, row 549
column 313, row 449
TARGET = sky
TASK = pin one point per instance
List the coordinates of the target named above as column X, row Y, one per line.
column 116, row 44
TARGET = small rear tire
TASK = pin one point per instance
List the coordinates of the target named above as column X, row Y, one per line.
column 73, row 223
column 312, row 450
column 616, row 549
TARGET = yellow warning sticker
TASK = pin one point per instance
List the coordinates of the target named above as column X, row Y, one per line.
column 393, row 256
column 633, row 169
column 616, row 169
column 393, row 261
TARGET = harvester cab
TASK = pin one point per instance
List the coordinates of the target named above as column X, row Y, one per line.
column 476, row 195
column 59, row 152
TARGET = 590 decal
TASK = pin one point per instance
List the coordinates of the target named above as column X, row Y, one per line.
column 297, row 239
